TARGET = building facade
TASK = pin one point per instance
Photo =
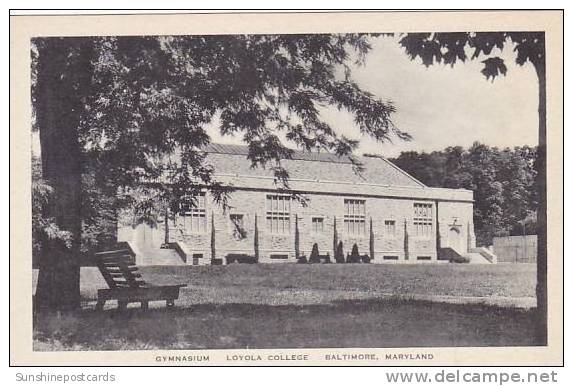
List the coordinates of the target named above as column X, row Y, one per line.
column 382, row 210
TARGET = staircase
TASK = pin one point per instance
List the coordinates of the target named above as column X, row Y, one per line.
column 152, row 256
column 481, row 255
column 474, row 256
column 449, row 254
column 477, row 258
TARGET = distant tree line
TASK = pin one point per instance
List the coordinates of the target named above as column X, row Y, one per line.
column 503, row 182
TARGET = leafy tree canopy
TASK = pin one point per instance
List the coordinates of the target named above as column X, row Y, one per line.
column 144, row 100
column 124, row 119
column 452, row 47
column 503, row 181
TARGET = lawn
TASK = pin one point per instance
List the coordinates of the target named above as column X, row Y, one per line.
column 294, row 306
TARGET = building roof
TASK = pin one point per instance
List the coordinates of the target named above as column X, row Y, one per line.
column 311, row 166
column 217, row 148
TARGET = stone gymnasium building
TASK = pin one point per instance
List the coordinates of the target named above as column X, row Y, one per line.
column 411, row 223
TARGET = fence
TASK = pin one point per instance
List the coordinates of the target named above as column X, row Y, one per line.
column 515, row 249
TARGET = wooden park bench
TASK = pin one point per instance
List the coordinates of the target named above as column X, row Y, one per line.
column 126, row 285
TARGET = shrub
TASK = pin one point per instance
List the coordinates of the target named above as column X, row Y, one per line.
column 314, row 255
column 296, row 238
column 256, row 240
column 302, row 260
column 339, row 254
column 354, row 256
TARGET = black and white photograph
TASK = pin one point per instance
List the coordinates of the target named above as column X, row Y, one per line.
column 362, row 190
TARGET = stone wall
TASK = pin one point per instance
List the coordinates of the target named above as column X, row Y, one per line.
column 455, row 221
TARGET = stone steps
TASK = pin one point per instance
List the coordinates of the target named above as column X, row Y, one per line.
column 148, row 256
column 477, row 258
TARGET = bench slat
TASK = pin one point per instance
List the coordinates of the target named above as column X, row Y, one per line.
column 126, row 284
column 117, row 259
column 120, row 275
column 115, row 252
column 116, row 265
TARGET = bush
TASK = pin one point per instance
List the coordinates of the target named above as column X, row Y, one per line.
column 314, row 255
column 302, row 260
column 339, row 254
column 354, row 256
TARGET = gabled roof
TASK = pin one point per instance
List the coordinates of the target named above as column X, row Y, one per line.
column 314, row 166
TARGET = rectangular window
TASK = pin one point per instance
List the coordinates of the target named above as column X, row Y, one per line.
column 197, row 258
column 195, row 213
column 423, row 220
column 317, row 225
column 237, row 220
column 390, row 257
column 279, row 257
column 390, row 228
column 355, row 217
column 424, row 257
column 238, row 226
column 278, row 214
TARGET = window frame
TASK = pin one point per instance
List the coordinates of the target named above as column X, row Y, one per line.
column 319, row 219
column 233, row 231
column 278, row 214
column 422, row 221
column 389, row 235
column 236, row 214
column 354, row 218
column 197, row 214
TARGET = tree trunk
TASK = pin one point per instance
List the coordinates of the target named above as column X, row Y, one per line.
column 57, row 114
column 541, row 168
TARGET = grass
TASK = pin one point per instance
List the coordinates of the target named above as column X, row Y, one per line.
column 295, row 306
column 512, row 280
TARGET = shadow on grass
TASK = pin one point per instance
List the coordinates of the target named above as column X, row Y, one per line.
column 343, row 323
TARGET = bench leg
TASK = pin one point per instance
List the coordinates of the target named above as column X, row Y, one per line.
column 121, row 305
column 100, row 304
column 144, row 305
column 170, row 303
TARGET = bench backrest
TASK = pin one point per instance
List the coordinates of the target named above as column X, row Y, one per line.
column 118, row 269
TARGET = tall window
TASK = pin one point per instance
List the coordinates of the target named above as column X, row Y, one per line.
column 354, row 217
column 238, row 226
column 278, row 214
column 195, row 210
column 317, row 225
column 237, row 220
column 390, row 228
column 423, row 220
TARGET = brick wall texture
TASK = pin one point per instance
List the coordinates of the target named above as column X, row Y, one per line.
column 451, row 219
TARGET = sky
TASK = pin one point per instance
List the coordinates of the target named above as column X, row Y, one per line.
column 439, row 106
column 442, row 106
